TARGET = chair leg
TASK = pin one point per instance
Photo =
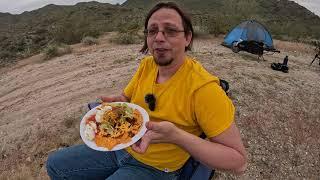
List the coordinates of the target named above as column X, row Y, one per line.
column 313, row 61
column 212, row 174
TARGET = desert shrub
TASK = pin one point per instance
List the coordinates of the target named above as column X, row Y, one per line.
column 64, row 49
column 88, row 40
column 132, row 27
column 25, row 53
column 71, row 32
column 210, row 24
column 199, row 31
column 316, row 43
column 54, row 50
column 51, row 51
column 216, row 26
column 6, row 58
column 4, row 54
column 125, row 38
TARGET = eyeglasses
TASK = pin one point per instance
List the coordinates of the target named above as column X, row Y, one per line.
column 167, row 32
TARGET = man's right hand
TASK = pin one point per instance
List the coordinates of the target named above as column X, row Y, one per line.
column 114, row 98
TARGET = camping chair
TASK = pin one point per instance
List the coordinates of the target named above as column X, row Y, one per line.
column 317, row 56
column 317, row 51
column 192, row 169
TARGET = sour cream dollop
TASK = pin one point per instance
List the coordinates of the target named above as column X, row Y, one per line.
column 101, row 111
column 90, row 131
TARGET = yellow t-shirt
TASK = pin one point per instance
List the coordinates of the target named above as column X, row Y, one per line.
column 192, row 99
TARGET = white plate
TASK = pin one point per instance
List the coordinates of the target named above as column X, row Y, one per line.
column 134, row 139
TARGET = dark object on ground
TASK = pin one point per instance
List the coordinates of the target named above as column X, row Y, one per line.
column 317, row 56
column 250, row 36
column 281, row 66
column 252, row 47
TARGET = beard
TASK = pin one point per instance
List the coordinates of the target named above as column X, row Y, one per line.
column 163, row 62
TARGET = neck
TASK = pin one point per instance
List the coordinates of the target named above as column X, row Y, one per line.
column 166, row 72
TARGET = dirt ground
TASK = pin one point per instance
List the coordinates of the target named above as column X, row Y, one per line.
column 42, row 101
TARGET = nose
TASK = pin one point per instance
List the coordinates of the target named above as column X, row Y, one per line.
column 159, row 36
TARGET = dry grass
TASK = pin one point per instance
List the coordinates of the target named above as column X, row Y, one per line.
column 31, row 163
column 277, row 113
column 294, row 47
column 55, row 50
column 88, row 41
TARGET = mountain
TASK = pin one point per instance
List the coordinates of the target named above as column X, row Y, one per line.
column 282, row 17
column 28, row 33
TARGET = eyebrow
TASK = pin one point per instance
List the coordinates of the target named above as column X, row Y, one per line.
column 166, row 25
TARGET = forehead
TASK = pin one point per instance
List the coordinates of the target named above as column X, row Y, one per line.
column 165, row 16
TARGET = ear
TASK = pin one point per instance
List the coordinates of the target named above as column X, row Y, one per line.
column 188, row 38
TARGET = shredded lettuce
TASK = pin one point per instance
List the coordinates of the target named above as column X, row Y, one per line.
column 107, row 127
column 128, row 112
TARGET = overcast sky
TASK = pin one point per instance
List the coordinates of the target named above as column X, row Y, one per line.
column 312, row 5
column 19, row 6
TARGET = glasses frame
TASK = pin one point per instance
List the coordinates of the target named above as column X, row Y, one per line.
column 164, row 32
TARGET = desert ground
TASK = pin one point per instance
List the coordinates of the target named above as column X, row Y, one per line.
column 278, row 114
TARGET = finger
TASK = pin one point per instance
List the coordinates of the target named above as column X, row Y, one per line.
column 137, row 149
column 135, row 146
column 152, row 125
column 124, row 98
column 142, row 146
column 106, row 99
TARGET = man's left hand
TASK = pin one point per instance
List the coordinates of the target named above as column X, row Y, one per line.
column 158, row 132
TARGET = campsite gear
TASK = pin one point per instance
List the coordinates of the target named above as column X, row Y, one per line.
column 285, row 61
column 317, row 51
column 317, row 56
column 281, row 66
column 252, row 47
column 250, row 36
column 225, row 85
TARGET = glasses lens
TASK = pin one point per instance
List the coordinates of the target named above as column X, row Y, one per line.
column 170, row 32
column 152, row 32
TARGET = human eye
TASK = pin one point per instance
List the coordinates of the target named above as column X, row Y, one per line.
column 171, row 31
column 152, row 31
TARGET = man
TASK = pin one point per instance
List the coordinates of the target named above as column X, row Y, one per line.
column 182, row 99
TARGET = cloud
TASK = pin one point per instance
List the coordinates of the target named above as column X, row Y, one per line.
column 17, row 7
column 311, row 5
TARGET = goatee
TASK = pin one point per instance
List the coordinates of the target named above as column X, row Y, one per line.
column 163, row 63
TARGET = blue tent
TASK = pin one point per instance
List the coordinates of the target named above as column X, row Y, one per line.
column 250, row 30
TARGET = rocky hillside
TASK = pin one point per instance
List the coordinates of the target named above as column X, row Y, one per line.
column 28, row 33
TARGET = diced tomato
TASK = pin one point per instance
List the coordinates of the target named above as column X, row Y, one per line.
column 91, row 118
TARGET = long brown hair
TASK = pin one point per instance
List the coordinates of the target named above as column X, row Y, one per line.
column 186, row 21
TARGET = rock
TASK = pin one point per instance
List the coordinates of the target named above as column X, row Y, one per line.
column 28, row 159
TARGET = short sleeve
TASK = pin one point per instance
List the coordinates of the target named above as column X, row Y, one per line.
column 214, row 110
column 129, row 89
